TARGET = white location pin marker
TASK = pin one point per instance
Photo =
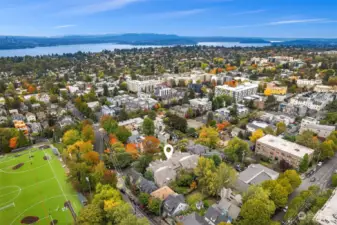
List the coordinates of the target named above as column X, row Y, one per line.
column 169, row 152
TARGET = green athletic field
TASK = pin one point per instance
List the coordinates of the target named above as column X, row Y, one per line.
column 38, row 188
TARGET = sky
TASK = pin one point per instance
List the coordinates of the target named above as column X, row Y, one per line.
column 229, row 18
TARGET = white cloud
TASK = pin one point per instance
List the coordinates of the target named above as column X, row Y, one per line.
column 64, row 26
column 175, row 14
column 296, row 21
column 99, row 6
column 282, row 22
column 248, row 12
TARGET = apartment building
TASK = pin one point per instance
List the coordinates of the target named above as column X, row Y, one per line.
column 277, row 149
column 313, row 125
column 308, row 83
column 146, row 86
column 201, row 104
column 237, row 93
column 314, row 101
column 327, row 214
column 325, row 89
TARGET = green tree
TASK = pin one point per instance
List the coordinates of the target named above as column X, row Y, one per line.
column 293, row 177
column 88, row 133
column 326, row 150
column 209, row 137
column 132, row 219
column 280, row 128
column 154, row 205
column 109, row 124
column 123, row 134
column 304, row 165
column 334, row 180
column 148, row 127
column 90, row 214
column 307, row 139
column 70, row 137
column 237, row 149
column 257, row 211
column 144, row 198
column 278, row 194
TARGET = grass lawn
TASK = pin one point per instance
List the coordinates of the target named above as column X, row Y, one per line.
column 37, row 188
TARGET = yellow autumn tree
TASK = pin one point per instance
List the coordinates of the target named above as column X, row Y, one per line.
column 208, row 136
column 267, row 92
column 256, row 135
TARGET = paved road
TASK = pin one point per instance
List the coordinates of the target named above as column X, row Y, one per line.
column 323, row 180
column 99, row 145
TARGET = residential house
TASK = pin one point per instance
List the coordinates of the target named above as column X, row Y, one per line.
column 18, row 117
column 159, row 131
column 132, row 124
column 93, row 105
column 36, row 106
column 255, row 125
column 3, row 119
column 41, row 116
column 106, row 110
column 35, row 128
column 180, row 110
column 20, row 125
column 255, row 174
column 166, row 171
column 174, row 205
column 30, row 117
column 140, row 182
column 66, row 121
column 197, row 149
column 162, row 193
column 235, row 132
column 201, row 105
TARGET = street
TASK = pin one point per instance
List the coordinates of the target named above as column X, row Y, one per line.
column 323, row 180
column 99, row 145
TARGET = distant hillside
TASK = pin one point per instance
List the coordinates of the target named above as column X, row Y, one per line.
column 18, row 42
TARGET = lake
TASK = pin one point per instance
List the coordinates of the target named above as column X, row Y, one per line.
column 62, row 49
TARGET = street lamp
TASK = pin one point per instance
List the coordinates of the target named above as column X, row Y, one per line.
column 87, row 179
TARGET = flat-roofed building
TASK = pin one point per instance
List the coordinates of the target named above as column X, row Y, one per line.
column 277, row 148
column 321, row 130
column 237, row 93
column 327, row 215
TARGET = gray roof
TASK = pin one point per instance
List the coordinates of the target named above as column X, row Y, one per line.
column 172, row 202
column 216, row 215
column 147, row 186
column 197, row 149
column 192, row 219
column 255, row 174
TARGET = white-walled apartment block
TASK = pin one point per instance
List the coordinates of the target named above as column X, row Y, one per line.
column 327, row 214
column 143, row 86
column 277, row 148
column 308, row 83
column 315, row 101
column 313, row 125
column 238, row 92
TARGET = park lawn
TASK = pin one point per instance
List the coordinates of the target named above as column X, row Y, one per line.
column 38, row 188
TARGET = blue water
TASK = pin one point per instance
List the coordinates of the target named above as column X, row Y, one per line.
column 61, row 49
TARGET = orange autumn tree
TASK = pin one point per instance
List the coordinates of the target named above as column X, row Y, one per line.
column 151, row 144
column 223, row 125
column 131, row 148
column 31, row 89
column 91, row 157
column 113, row 139
column 13, row 142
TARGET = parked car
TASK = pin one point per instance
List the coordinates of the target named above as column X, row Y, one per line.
column 285, row 209
column 319, row 164
column 313, row 179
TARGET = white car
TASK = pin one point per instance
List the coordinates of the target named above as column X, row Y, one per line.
column 285, row 209
column 319, row 164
